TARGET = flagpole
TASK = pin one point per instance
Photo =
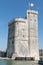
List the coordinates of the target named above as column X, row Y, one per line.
column 29, row 5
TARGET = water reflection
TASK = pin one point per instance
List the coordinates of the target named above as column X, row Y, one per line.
column 24, row 63
column 10, row 62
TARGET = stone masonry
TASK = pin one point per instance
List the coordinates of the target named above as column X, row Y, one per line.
column 23, row 36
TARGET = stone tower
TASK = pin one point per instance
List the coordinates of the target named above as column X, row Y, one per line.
column 32, row 19
column 23, row 37
column 18, row 38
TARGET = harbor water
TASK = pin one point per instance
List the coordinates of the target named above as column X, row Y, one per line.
column 13, row 62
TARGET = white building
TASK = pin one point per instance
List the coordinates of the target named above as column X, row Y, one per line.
column 23, row 36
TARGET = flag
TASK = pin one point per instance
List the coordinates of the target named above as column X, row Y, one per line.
column 31, row 4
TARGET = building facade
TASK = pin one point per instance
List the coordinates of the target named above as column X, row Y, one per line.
column 41, row 54
column 3, row 53
column 23, row 36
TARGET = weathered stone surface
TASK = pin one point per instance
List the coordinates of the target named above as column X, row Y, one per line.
column 23, row 36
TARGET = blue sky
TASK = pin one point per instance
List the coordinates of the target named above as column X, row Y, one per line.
column 10, row 9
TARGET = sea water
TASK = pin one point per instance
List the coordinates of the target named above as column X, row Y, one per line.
column 13, row 62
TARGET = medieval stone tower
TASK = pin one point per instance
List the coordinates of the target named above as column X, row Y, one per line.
column 32, row 18
column 23, row 36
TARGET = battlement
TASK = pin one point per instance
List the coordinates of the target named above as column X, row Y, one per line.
column 32, row 11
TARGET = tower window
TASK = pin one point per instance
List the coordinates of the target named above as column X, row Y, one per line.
column 23, row 35
column 35, row 20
